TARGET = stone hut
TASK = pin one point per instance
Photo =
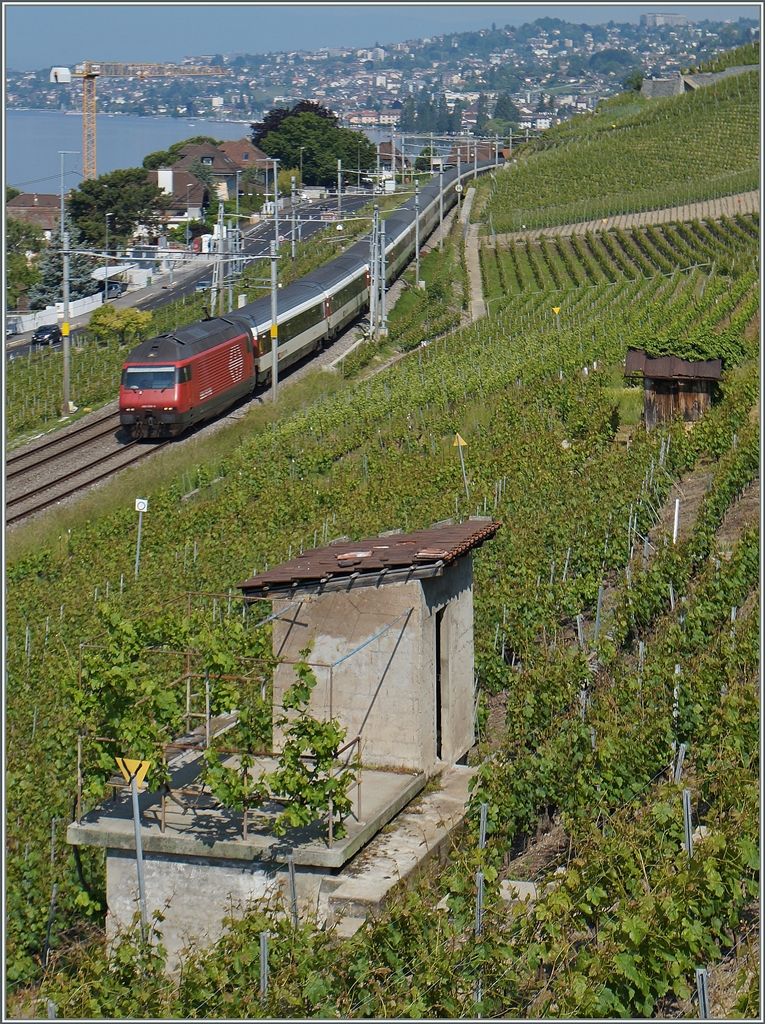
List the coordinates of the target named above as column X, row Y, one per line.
column 389, row 621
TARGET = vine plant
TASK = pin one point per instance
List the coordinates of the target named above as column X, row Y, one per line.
column 303, row 775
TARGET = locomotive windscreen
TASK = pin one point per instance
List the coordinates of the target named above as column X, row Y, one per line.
column 149, row 378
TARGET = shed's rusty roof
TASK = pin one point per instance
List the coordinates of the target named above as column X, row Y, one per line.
column 395, row 554
column 671, row 367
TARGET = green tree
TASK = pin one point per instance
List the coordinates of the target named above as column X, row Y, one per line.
column 456, row 117
column 11, row 193
column 408, row 119
column 22, row 237
column 21, row 272
column 443, row 117
column 124, row 325
column 482, row 115
column 20, row 275
column 275, row 118
column 49, row 289
column 426, row 115
column 323, row 144
column 634, row 81
column 506, row 110
column 127, row 196
column 422, row 163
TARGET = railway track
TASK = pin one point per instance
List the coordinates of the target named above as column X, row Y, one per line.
column 26, row 459
column 46, row 473
column 77, row 479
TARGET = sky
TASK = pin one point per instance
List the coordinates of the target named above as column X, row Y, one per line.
column 38, row 35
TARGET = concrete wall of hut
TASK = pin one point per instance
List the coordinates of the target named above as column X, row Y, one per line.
column 386, row 692
column 664, row 399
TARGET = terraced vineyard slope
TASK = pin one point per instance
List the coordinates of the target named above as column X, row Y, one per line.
column 631, row 155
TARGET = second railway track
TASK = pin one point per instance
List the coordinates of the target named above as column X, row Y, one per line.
column 76, row 480
column 52, row 469
column 22, row 462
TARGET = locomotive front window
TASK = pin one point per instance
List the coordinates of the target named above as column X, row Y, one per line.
column 149, row 378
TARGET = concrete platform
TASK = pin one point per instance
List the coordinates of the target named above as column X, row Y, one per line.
column 399, row 853
column 204, row 829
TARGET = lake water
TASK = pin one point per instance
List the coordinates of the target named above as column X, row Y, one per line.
column 33, row 139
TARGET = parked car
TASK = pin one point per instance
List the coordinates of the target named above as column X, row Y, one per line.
column 12, row 325
column 48, row 334
column 203, row 286
column 114, row 289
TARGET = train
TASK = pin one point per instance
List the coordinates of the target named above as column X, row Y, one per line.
column 177, row 380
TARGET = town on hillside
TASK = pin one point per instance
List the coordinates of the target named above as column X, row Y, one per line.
column 543, row 72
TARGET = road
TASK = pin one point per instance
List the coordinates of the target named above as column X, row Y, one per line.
column 256, row 243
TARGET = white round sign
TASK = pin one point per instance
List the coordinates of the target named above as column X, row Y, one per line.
column 458, row 188
column 141, row 504
column 281, row 238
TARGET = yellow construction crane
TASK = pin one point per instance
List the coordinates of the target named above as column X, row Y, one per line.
column 89, row 71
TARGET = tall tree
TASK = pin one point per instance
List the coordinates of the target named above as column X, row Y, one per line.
column 506, row 110
column 456, row 116
column 443, row 117
column 21, row 272
column 482, row 115
column 424, row 160
column 49, row 289
column 323, row 143
column 22, row 237
column 127, row 196
column 274, row 118
column 408, row 118
column 426, row 115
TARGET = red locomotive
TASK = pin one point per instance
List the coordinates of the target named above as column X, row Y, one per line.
column 183, row 378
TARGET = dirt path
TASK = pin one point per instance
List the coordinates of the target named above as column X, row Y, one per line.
column 710, row 209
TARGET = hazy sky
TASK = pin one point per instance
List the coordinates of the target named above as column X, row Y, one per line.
column 40, row 35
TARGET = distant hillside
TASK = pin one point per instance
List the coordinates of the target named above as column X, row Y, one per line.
column 633, row 154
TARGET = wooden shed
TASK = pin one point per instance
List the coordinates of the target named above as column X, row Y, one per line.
column 673, row 386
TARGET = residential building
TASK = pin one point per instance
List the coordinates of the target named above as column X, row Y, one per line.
column 36, row 208
column 222, row 167
column 189, row 195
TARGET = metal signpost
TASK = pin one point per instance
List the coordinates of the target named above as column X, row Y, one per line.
column 383, row 325
column 441, row 208
column 106, row 255
column 292, row 211
column 459, row 443
column 274, row 328
column 134, row 772
column 416, row 233
column 141, row 506
column 66, row 407
column 276, row 201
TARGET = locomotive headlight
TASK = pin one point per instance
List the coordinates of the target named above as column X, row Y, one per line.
column 169, row 408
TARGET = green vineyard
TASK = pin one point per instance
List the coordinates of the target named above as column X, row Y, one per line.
column 634, row 155
column 378, row 455
column 616, row 664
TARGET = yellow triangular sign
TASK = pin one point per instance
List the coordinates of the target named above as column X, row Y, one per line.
column 130, row 767
column 556, row 310
column 605, row 219
column 459, row 442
